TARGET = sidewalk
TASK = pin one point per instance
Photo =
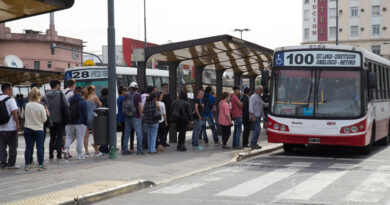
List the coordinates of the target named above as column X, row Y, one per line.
column 62, row 178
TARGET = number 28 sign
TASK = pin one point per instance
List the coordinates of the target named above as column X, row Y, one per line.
column 86, row 74
column 317, row 58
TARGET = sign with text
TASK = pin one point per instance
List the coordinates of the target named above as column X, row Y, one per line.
column 318, row 58
column 86, row 74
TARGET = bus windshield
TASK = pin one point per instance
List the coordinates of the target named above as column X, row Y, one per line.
column 316, row 93
column 99, row 84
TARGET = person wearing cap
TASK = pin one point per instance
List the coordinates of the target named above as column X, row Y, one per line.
column 237, row 117
column 134, row 122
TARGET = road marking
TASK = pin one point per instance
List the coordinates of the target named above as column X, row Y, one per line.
column 371, row 190
column 312, row 186
column 15, row 181
column 343, row 166
column 255, row 185
column 227, row 171
column 299, row 164
column 212, row 179
column 36, row 188
column 177, row 188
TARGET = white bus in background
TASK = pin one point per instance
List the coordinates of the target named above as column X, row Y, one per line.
column 98, row 76
column 330, row 95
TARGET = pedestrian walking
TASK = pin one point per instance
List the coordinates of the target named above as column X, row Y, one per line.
column 78, row 123
column 245, row 118
column 224, row 119
column 208, row 101
column 256, row 111
column 162, row 125
column 35, row 115
column 237, row 117
column 132, row 110
column 93, row 102
column 57, row 105
column 152, row 115
column 166, row 99
column 9, row 125
column 182, row 116
column 197, row 128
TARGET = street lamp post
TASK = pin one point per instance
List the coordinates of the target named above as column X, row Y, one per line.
column 241, row 30
column 337, row 22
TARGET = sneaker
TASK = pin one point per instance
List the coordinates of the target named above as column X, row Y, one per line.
column 41, row 168
column 69, row 155
column 66, row 154
column 3, row 165
column 225, row 147
column 81, row 157
column 13, row 167
column 161, row 148
column 27, row 168
column 237, row 147
column 141, row 153
column 246, row 146
column 99, row 154
column 255, row 146
column 217, row 144
column 87, row 155
column 200, row 148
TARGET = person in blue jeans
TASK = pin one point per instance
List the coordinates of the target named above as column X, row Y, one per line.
column 197, row 121
column 256, row 112
column 150, row 122
column 133, row 122
column 35, row 115
column 237, row 117
column 208, row 101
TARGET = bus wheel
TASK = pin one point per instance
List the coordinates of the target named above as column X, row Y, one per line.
column 385, row 140
column 288, row 148
column 367, row 149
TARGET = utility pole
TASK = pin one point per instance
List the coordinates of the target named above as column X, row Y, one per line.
column 337, row 22
column 111, row 81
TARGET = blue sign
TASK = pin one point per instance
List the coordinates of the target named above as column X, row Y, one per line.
column 68, row 75
column 308, row 111
column 279, row 59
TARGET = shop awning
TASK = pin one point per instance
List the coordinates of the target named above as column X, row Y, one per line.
column 16, row 9
column 20, row 76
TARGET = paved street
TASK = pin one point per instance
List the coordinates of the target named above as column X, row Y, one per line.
column 319, row 175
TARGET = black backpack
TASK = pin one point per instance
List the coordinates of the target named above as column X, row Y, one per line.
column 4, row 115
column 74, row 110
column 128, row 107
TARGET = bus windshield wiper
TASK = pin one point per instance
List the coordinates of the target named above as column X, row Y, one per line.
column 311, row 88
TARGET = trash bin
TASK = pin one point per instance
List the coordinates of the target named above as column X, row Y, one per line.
column 100, row 124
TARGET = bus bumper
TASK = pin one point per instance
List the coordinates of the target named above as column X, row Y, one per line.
column 350, row 140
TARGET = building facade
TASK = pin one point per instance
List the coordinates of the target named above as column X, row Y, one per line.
column 363, row 23
column 33, row 48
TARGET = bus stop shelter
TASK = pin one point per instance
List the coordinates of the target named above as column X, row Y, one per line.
column 219, row 53
column 21, row 76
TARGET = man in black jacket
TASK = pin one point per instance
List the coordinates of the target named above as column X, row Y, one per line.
column 245, row 117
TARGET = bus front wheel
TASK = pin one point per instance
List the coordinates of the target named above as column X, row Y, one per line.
column 367, row 149
column 288, row 148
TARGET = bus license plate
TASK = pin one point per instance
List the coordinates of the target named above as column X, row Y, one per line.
column 314, row 140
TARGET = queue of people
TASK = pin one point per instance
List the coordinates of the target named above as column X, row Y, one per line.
column 69, row 114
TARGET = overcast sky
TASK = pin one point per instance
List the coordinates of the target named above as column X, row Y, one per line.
column 273, row 23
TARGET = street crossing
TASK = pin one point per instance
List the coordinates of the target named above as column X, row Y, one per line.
column 296, row 182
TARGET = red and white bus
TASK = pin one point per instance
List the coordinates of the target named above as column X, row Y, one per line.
column 330, row 95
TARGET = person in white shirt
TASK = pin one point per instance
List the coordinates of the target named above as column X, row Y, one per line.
column 163, row 124
column 69, row 90
column 8, row 130
column 35, row 116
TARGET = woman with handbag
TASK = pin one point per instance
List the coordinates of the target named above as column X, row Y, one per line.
column 182, row 116
column 35, row 117
column 152, row 116
column 224, row 119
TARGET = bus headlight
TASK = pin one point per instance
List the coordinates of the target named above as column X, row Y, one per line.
column 283, row 128
column 347, row 129
column 354, row 129
column 276, row 126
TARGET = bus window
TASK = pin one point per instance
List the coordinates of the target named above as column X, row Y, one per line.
column 24, row 91
column 16, row 90
column 130, row 79
column 149, row 81
column 165, row 80
column 120, row 80
column 157, row 81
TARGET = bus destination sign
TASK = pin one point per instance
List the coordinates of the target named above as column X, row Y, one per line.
column 86, row 74
column 317, row 58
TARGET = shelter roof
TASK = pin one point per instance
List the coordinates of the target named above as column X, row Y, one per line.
column 20, row 76
column 217, row 52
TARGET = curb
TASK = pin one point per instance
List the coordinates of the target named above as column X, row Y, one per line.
column 108, row 193
column 245, row 155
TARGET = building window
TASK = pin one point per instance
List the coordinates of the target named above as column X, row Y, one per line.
column 306, row 1
column 332, row 12
column 306, row 34
column 306, row 15
column 354, row 31
column 48, row 64
column 354, row 11
column 68, row 65
column 75, row 54
column 376, row 30
column 37, row 65
column 376, row 49
column 332, row 32
column 376, row 10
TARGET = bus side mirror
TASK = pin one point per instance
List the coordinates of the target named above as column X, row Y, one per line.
column 372, row 81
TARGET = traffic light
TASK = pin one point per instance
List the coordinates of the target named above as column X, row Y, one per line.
column 53, row 48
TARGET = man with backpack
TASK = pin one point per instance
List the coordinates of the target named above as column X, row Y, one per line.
column 9, row 125
column 77, row 124
column 70, row 87
column 208, row 101
column 58, row 106
column 132, row 110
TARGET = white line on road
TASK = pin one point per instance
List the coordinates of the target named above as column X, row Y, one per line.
column 299, row 164
column 343, row 166
column 371, row 190
column 177, row 188
column 255, row 185
column 312, row 186
column 36, row 188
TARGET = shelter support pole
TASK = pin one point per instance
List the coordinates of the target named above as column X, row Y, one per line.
column 173, row 67
column 141, row 75
column 237, row 79
column 198, row 79
column 252, row 83
column 218, row 85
